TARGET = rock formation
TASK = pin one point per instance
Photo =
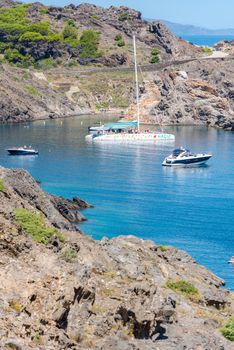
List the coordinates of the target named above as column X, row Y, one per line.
column 199, row 94
column 77, row 293
column 59, row 86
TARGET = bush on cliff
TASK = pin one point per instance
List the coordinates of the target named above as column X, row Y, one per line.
column 123, row 17
column 154, row 56
column 25, row 38
column 119, row 40
column 228, row 329
column 30, row 36
column 69, row 35
column 185, row 288
column 22, row 41
column 14, row 56
column 2, row 186
column 89, row 42
column 33, row 224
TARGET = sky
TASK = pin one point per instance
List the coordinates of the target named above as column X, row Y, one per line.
column 213, row 14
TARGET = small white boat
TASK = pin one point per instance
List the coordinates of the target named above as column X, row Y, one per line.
column 183, row 157
column 231, row 261
column 22, row 151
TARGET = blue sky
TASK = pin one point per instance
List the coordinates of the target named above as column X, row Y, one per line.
column 206, row 13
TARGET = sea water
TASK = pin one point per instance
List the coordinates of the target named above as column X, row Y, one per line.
column 189, row 208
column 206, row 40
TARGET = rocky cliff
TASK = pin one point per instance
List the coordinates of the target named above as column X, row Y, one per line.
column 63, row 290
column 57, row 62
column 197, row 93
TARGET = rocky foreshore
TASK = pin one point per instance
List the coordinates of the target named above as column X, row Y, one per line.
column 60, row 289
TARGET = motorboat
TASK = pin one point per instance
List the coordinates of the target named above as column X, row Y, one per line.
column 231, row 261
column 97, row 129
column 183, row 157
column 22, row 151
column 124, row 133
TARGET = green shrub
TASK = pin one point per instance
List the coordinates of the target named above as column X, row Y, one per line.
column 31, row 36
column 207, row 50
column 89, row 42
column 4, row 46
column 33, row 224
column 53, row 37
column 118, row 37
column 14, row 56
column 69, row 32
column 71, row 41
column 162, row 248
column 121, row 43
column 70, row 22
column 16, row 28
column 43, row 11
column 69, row 255
column 123, row 17
column 15, row 305
column 41, row 27
column 69, row 35
column 102, row 105
column 45, row 63
column 154, row 56
column 183, row 287
column 228, row 329
column 2, row 185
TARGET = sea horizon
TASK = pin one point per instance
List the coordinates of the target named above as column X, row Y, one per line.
column 206, row 40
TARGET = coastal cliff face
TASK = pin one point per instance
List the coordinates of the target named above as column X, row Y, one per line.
column 200, row 93
column 60, row 66
column 71, row 292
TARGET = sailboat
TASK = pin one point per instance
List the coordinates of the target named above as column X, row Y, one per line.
column 121, row 134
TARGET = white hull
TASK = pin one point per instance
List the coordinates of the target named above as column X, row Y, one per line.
column 131, row 138
column 185, row 165
column 185, row 159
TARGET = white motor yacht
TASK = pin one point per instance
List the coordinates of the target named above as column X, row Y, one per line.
column 183, row 157
column 22, row 151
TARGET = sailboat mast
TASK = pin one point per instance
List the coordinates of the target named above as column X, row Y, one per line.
column 137, row 87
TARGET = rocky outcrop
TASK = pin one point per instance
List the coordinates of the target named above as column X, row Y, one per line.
column 22, row 189
column 111, row 294
column 201, row 94
column 225, row 46
column 23, row 97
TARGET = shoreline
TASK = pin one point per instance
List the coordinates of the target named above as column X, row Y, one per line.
column 115, row 114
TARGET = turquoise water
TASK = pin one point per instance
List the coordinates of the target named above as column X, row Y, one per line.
column 190, row 208
column 207, row 40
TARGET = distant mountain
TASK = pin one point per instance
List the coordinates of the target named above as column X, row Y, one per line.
column 186, row 29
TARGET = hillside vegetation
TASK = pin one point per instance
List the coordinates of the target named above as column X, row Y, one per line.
column 34, row 34
column 48, row 53
column 25, row 41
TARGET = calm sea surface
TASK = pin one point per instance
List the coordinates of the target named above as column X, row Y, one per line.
column 190, row 208
column 207, row 40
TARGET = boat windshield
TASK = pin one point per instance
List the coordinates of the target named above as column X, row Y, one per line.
column 178, row 151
